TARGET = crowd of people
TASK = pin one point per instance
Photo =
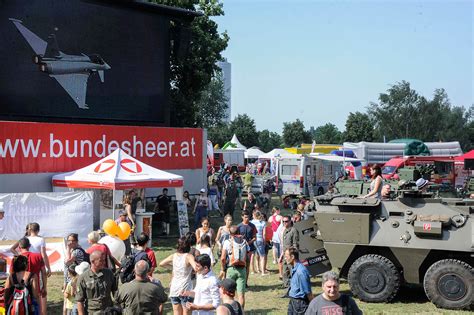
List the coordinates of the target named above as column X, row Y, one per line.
column 96, row 282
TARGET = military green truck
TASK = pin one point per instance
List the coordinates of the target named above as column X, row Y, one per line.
column 379, row 246
column 407, row 177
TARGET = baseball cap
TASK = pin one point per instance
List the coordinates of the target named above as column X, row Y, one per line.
column 229, row 285
column 122, row 212
column 203, row 190
column 1, row 207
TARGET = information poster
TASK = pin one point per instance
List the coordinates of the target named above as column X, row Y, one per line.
column 183, row 220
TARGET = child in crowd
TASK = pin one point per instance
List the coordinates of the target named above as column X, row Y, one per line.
column 70, row 292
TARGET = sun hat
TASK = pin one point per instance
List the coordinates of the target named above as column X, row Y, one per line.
column 82, row 267
column 421, row 182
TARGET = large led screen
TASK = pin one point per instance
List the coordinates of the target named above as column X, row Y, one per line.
column 83, row 61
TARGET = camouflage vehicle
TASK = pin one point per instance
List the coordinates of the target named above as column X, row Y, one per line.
column 407, row 177
column 380, row 245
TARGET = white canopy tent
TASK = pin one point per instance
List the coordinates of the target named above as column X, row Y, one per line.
column 119, row 171
column 237, row 145
column 253, row 153
column 276, row 153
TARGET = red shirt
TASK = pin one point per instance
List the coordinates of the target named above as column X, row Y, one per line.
column 268, row 233
column 100, row 247
column 35, row 262
column 151, row 255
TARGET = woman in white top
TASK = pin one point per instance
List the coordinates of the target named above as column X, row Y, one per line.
column 205, row 248
column 376, row 184
column 38, row 245
column 183, row 265
column 205, row 229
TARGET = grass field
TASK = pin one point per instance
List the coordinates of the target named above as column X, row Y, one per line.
column 263, row 296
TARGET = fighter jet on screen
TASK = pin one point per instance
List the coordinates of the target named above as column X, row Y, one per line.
column 71, row 71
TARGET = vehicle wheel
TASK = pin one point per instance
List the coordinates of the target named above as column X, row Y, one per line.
column 449, row 283
column 320, row 191
column 374, row 278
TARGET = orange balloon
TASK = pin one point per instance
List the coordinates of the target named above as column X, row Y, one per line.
column 125, row 229
column 110, row 227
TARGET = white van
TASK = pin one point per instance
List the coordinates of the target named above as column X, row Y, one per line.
column 299, row 174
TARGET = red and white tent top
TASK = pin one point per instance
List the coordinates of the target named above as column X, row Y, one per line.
column 117, row 171
column 469, row 155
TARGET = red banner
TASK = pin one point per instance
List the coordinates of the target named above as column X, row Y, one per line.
column 28, row 147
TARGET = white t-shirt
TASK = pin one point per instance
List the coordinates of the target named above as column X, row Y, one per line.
column 36, row 243
column 207, row 251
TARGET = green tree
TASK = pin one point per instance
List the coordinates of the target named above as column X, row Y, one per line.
column 395, row 114
column 191, row 74
column 212, row 104
column 457, row 123
column 294, row 133
column 219, row 134
column 268, row 140
column 244, row 128
column 327, row 133
column 359, row 127
column 402, row 113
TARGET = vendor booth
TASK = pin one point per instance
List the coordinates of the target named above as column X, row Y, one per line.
column 117, row 172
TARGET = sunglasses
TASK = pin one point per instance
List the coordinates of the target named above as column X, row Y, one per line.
column 286, row 221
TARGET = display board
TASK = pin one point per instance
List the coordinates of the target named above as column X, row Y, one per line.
column 183, row 220
column 46, row 148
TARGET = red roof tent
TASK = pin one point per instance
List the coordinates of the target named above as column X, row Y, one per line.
column 469, row 155
column 117, row 171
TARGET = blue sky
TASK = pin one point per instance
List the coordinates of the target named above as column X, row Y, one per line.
column 319, row 60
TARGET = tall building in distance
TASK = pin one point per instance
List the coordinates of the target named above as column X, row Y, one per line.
column 226, row 76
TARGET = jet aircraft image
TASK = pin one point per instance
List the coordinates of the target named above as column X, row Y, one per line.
column 71, row 71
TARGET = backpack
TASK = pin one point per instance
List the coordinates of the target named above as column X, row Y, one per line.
column 127, row 272
column 238, row 252
column 21, row 301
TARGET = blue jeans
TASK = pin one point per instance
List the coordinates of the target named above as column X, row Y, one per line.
column 200, row 213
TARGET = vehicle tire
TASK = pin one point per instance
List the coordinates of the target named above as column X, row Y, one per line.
column 320, row 191
column 449, row 284
column 374, row 278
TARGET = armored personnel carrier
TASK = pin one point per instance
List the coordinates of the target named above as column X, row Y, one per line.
column 379, row 245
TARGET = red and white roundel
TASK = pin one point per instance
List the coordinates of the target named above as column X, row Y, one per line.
column 105, row 166
column 131, row 166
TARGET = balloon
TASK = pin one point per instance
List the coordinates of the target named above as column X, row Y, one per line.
column 115, row 245
column 125, row 230
column 110, row 227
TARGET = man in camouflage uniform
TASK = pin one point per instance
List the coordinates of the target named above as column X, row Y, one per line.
column 290, row 238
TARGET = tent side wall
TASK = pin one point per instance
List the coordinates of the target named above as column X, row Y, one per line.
column 380, row 153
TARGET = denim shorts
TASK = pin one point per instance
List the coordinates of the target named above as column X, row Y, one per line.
column 261, row 248
column 181, row 300
column 277, row 248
